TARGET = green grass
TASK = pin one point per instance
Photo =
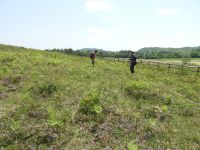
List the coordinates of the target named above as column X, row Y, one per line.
column 57, row 101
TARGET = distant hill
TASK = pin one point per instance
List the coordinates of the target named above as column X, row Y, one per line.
column 158, row 52
column 147, row 52
column 12, row 47
column 90, row 50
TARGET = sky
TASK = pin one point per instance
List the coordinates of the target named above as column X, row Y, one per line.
column 106, row 24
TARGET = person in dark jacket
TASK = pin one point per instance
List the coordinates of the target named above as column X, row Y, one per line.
column 93, row 56
column 133, row 62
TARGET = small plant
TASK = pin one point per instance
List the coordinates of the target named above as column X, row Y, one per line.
column 15, row 125
column 168, row 100
column 156, row 112
column 90, row 105
column 186, row 110
column 138, row 85
column 46, row 89
column 16, row 79
column 152, row 122
column 132, row 146
column 164, row 108
column 53, row 120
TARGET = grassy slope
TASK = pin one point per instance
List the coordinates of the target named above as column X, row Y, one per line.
column 40, row 93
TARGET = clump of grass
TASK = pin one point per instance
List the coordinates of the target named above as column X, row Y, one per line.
column 15, row 125
column 186, row 110
column 52, row 119
column 138, row 85
column 44, row 89
column 8, row 81
column 168, row 100
column 156, row 112
column 7, row 59
column 90, row 105
column 132, row 146
column 141, row 90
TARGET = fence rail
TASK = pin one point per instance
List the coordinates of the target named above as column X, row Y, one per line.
column 159, row 64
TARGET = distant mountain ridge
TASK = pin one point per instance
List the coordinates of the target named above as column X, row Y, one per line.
column 167, row 48
column 147, row 52
column 159, row 52
column 90, row 49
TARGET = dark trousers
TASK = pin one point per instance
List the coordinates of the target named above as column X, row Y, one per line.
column 93, row 61
column 132, row 66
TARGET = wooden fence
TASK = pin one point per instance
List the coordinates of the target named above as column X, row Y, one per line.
column 159, row 64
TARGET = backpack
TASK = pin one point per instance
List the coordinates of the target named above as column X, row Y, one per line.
column 134, row 62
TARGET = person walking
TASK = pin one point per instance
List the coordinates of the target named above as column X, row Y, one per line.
column 133, row 62
column 93, row 56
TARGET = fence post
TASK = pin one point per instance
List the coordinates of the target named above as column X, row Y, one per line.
column 198, row 70
column 118, row 59
column 169, row 66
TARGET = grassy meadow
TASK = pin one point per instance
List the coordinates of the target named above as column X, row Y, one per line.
column 54, row 101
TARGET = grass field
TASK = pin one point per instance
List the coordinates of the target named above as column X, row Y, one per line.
column 56, row 101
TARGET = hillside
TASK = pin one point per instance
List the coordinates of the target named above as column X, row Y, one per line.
column 58, row 101
column 158, row 52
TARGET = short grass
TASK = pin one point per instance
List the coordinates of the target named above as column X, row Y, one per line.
column 56, row 101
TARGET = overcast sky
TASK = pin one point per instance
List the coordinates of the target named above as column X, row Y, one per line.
column 106, row 24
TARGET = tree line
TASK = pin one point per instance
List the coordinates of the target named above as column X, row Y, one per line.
column 101, row 53
column 147, row 53
column 157, row 53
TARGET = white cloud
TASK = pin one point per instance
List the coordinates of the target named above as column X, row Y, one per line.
column 165, row 12
column 98, row 6
column 98, row 35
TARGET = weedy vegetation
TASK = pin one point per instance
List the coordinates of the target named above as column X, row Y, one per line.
column 50, row 100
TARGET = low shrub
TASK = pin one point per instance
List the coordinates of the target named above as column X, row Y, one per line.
column 91, row 105
column 44, row 89
column 142, row 90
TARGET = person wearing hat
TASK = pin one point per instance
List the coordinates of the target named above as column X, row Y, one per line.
column 93, row 56
column 133, row 62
